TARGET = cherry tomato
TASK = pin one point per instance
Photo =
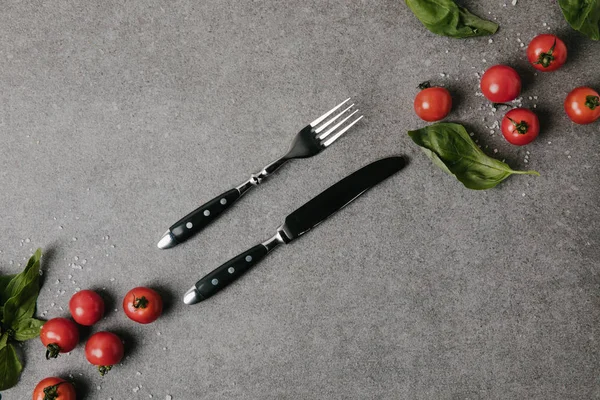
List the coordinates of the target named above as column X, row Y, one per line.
column 104, row 349
column 54, row 388
column 547, row 52
column 432, row 103
column 142, row 305
column 87, row 307
column 59, row 335
column 583, row 105
column 520, row 126
column 500, row 84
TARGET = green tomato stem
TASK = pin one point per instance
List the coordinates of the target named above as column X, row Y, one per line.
column 545, row 59
column 103, row 369
column 592, row 102
column 51, row 392
column 521, row 127
column 52, row 351
column 140, row 302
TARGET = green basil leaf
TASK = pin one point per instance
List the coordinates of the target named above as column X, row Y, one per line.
column 583, row 16
column 4, row 280
column 10, row 367
column 446, row 18
column 27, row 329
column 449, row 146
column 25, row 288
column 3, row 340
column 16, row 284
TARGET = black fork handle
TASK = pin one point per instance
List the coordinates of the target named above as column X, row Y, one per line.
column 202, row 216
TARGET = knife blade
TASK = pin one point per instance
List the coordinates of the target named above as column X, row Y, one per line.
column 296, row 224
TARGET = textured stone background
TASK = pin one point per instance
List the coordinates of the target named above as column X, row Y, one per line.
column 117, row 118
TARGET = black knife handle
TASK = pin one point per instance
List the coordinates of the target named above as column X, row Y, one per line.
column 198, row 219
column 224, row 275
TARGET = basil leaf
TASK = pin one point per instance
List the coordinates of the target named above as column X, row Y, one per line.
column 450, row 147
column 3, row 340
column 25, row 288
column 583, row 16
column 4, row 280
column 446, row 18
column 10, row 367
column 27, row 329
column 17, row 283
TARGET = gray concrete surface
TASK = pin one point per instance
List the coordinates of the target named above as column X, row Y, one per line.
column 117, row 118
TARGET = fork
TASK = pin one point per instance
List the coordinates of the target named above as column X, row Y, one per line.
column 310, row 141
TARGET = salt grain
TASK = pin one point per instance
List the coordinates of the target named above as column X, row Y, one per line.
column 523, row 195
column 514, row 2
column 69, row 276
column 138, row 373
column 112, row 279
column 136, row 389
column 169, row 397
column 74, row 239
column 490, row 41
column 98, row 387
column 522, row 45
column 544, row 24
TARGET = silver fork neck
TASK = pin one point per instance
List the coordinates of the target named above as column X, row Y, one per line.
column 257, row 178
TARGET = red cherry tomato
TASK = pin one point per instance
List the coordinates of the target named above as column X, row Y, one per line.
column 104, row 349
column 87, row 307
column 583, row 105
column 547, row 52
column 432, row 103
column 520, row 126
column 142, row 305
column 500, row 84
column 54, row 388
column 59, row 335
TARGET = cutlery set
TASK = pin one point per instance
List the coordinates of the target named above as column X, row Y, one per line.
column 310, row 141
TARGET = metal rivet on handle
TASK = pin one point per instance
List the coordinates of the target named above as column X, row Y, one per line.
column 248, row 258
column 206, row 213
column 189, row 225
column 215, row 282
column 231, row 270
column 223, row 201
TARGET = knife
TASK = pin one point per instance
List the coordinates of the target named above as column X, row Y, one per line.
column 296, row 224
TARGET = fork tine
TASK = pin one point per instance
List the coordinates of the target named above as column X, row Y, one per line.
column 328, row 113
column 340, row 133
column 326, row 124
column 333, row 128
